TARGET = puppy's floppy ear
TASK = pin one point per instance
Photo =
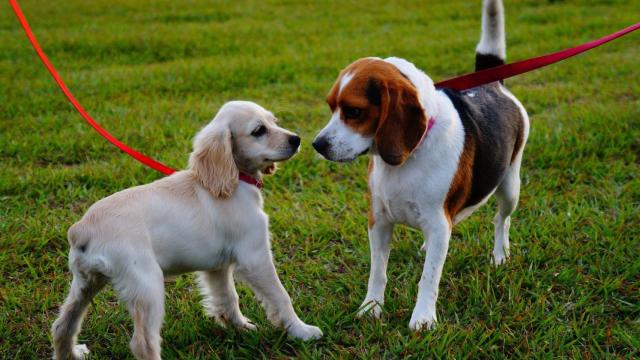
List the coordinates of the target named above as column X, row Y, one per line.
column 270, row 170
column 212, row 161
column 402, row 122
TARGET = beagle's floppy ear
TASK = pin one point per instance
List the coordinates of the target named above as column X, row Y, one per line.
column 212, row 161
column 402, row 121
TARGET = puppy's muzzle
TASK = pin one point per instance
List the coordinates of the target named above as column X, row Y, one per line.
column 294, row 142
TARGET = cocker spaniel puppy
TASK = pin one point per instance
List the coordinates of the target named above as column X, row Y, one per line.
column 207, row 218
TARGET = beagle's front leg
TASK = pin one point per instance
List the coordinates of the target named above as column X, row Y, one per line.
column 437, row 234
column 379, row 239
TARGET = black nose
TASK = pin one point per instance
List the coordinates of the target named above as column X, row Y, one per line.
column 321, row 145
column 294, row 141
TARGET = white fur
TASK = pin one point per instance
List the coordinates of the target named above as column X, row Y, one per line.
column 136, row 237
column 346, row 144
column 492, row 38
column 421, row 81
column 345, row 80
column 414, row 194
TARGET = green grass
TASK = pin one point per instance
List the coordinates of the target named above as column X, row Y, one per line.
column 155, row 72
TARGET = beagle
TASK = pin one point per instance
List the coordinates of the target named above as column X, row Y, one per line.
column 207, row 218
column 435, row 155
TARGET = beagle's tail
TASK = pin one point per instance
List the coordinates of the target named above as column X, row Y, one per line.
column 491, row 50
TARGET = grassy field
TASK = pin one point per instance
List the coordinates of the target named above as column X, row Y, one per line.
column 154, row 72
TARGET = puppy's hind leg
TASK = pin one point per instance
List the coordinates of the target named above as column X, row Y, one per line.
column 141, row 288
column 507, row 195
column 65, row 329
column 220, row 298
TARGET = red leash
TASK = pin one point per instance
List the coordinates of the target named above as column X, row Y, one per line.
column 158, row 166
column 136, row 155
column 459, row 83
column 501, row 72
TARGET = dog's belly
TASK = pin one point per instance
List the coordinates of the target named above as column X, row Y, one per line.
column 208, row 254
column 466, row 212
column 184, row 245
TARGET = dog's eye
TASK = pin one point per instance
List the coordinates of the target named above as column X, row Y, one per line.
column 351, row 112
column 259, row 131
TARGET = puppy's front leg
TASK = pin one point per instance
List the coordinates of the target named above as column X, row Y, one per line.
column 437, row 234
column 258, row 271
column 220, row 298
column 379, row 239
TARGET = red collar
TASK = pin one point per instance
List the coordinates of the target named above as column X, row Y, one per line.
column 250, row 180
column 430, row 123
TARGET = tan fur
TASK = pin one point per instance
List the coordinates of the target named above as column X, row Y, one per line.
column 178, row 224
column 140, row 345
column 402, row 122
column 213, row 164
column 460, row 188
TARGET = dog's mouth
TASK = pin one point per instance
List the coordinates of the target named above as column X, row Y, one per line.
column 270, row 160
column 281, row 157
column 348, row 159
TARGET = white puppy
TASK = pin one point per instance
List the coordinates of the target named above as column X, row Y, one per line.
column 207, row 218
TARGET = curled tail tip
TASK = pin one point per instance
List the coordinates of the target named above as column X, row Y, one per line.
column 491, row 50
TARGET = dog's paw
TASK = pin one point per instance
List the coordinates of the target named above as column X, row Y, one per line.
column 422, row 320
column 371, row 308
column 80, row 351
column 236, row 320
column 244, row 324
column 304, row 332
column 499, row 258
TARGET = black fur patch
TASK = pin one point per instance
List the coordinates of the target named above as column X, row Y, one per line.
column 494, row 123
column 486, row 61
column 373, row 92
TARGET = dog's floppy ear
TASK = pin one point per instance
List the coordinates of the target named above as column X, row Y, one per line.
column 212, row 161
column 402, row 121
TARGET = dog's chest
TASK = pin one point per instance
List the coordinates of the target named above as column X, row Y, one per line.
column 401, row 209
column 406, row 197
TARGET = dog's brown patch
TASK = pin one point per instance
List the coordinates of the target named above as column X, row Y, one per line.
column 517, row 147
column 354, row 94
column 388, row 104
column 460, row 188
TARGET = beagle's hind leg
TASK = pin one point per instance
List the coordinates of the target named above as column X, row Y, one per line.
column 507, row 196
